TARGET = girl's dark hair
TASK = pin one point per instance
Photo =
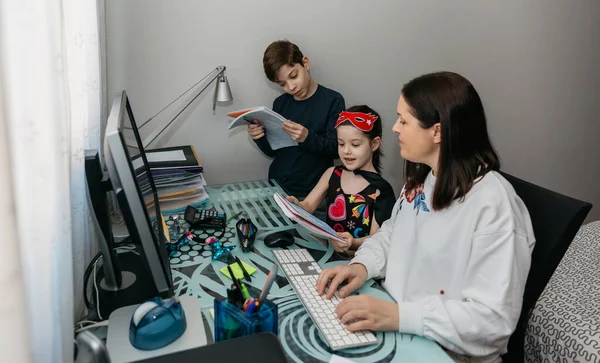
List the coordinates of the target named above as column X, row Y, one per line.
column 375, row 132
column 466, row 152
column 280, row 53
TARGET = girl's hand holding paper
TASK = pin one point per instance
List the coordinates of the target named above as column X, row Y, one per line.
column 343, row 247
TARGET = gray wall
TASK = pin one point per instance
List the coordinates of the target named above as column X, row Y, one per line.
column 534, row 63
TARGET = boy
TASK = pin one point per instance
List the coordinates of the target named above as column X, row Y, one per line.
column 311, row 110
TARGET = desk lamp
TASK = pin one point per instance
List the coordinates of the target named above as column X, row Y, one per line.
column 222, row 94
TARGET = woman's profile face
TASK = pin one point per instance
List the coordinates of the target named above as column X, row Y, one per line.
column 416, row 143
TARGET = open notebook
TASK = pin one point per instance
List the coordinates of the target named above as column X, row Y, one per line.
column 305, row 219
column 271, row 121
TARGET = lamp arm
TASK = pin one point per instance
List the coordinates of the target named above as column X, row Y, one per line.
column 156, row 133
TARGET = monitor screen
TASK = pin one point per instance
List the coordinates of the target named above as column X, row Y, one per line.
column 145, row 182
column 135, row 190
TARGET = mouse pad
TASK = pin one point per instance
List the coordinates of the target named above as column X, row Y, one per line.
column 237, row 271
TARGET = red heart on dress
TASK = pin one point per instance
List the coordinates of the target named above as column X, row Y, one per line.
column 337, row 209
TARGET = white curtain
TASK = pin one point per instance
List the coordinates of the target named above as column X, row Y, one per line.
column 51, row 110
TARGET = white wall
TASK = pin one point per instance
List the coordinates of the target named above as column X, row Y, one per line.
column 534, row 63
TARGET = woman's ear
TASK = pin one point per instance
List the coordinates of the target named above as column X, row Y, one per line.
column 437, row 133
column 375, row 143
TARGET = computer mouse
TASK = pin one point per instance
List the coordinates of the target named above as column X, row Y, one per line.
column 279, row 239
column 157, row 323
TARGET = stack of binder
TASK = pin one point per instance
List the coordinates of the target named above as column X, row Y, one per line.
column 178, row 177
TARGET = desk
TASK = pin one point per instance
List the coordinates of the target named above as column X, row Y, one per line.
column 195, row 274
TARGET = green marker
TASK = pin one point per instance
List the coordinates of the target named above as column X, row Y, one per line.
column 245, row 292
column 236, row 214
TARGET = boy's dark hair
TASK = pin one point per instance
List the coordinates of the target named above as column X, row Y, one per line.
column 466, row 152
column 279, row 53
column 375, row 132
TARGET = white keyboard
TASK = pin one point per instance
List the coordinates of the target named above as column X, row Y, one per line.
column 302, row 272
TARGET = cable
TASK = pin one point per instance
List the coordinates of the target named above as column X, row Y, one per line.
column 97, row 293
column 95, row 325
column 126, row 249
column 86, row 277
column 84, row 324
column 88, row 270
column 131, row 249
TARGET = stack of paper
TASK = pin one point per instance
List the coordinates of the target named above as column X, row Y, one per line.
column 178, row 178
column 174, row 194
column 313, row 224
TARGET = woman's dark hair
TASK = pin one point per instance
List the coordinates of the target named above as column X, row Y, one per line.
column 375, row 132
column 466, row 152
column 280, row 53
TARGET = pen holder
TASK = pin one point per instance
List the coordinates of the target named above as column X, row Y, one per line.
column 246, row 233
column 232, row 322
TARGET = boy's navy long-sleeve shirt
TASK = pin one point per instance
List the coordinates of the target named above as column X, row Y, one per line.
column 299, row 168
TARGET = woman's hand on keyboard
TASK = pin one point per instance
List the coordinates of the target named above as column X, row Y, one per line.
column 355, row 275
column 364, row 312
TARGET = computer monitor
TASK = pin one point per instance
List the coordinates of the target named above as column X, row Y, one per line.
column 128, row 278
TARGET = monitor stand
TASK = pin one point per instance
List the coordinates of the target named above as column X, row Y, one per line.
column 124, row 278
column 137, row 285
column 121, row 350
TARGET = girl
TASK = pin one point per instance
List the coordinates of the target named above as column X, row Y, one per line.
column 358, row 199
column 457, row 250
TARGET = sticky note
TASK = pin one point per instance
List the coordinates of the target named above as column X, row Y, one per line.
column 237, row 271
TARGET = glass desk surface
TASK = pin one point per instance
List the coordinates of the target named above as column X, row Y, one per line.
column 195, row 274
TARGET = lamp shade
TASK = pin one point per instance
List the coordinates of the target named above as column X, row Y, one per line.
column 223, row 90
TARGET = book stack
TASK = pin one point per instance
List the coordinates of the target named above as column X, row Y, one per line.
column 178, row 177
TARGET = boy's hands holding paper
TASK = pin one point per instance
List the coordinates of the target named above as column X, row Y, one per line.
column 296, row 131
column 256, row 130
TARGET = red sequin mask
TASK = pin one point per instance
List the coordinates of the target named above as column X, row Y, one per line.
column 360, row 120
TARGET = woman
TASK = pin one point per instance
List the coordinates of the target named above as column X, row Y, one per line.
column 457, row 250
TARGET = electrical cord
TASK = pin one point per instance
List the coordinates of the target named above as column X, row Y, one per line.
column 95, row 325
column 97, row 292
column 88, row 270
column 86, row 277
column 84, row 322
column 121, row 248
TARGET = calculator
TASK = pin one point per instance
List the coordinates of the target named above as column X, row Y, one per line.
column 204, row 218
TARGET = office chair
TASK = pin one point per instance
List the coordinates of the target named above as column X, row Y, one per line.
column 556, row 219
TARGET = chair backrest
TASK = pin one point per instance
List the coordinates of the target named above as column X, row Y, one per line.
column 556, row 219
